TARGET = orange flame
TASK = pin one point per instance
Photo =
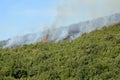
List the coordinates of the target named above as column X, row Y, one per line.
column 44, row 40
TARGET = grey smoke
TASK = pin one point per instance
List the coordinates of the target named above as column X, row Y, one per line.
column 66, row 32
column 84, row 15
column 26, row 39
column 74, row 11
column 75, row 30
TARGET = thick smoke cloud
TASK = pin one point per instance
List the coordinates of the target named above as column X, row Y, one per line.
column 84, row 15
column 74, row 11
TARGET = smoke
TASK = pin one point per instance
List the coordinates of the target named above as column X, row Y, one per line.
column 74, row 17
column 74, row 11
column 71, row 32
column 26, row 39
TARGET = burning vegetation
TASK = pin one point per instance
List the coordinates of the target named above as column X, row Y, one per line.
column 44, row 40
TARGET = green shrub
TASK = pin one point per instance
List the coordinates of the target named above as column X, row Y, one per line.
column 93, row 56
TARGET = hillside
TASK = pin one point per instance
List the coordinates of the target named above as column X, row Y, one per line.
column 93, row 56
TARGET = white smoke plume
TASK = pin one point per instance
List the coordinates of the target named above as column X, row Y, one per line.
column 75, row 30
column 84, row 15
column 74, row 11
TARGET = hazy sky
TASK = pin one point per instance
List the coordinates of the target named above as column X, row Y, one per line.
column 74, row 11
column 19, row 17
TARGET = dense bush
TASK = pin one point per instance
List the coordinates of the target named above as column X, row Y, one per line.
column 93, row 56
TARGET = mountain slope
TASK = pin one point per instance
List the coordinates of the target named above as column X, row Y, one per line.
column 93, row 56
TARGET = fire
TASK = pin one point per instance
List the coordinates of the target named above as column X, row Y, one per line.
column 44, row 40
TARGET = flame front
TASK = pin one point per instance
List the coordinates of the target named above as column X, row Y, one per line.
column 44, row 40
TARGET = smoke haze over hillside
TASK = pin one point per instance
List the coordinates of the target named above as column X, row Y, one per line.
column 73, row 18
column 68, row 32
column 74, row 11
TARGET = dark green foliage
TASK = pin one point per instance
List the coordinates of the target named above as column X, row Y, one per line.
column 93, row 56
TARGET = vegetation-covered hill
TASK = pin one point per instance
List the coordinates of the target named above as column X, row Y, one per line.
column 93, row 56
